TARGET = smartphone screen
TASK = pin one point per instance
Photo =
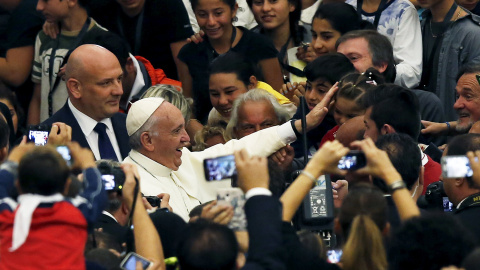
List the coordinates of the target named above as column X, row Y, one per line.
column 334, row 255
column 352, row 161
column 108, row 181
column 456, row 167
column 39, row 137
column 130, row 261
column 219, row 168
column 447, row 205
column 65, row 153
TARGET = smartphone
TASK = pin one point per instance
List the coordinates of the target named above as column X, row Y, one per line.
column 108, row 181
column 38, row 134
column 130, row 261
column 354, row 160
column 456, row 167
column 334, row 255
column 219, row 168
column 65, row 153
column 447, row 205
column 235, row 198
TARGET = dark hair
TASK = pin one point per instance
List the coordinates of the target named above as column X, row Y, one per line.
column 363, row 216
column 8, row 94
column 429, row 243
column 404, row 155
column 353, row 86
column 230, row 3
column 205, row 245
column 379, row 47
column 394, row 105
column 460, row 145
column 331, row 67
column 42, row 171
column 232, row 62
column 342, row 17
column 296, row 31
column 4, row 133
column 471, row 68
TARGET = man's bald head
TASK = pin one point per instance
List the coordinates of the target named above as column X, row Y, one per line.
column 94, row 81
column 351, row 130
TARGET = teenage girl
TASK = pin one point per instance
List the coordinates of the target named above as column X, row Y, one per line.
column 215, row 20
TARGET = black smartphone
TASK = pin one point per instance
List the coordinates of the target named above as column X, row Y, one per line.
column 38, row 134
column 65, row 153
column 352, row 161
column 219, row 168
column 130, row 261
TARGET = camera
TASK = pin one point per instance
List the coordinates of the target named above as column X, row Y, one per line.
column 113, row 177
column 354, row 160
column 435, row 198
column 154, row 201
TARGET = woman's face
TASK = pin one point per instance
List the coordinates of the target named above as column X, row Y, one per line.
column 324, row 37
column 224, row 88
column 12, row 112
column 345, row 110
column 214, row 17
column 272, row 14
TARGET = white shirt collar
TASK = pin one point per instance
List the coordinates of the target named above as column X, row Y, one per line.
column 139, row 82
column 86, row 123
column 149, row 165
column 110, row 215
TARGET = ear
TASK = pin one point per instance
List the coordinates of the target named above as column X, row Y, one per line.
column 75, row 88
column 71, row 3
column 253, row 82
column 146, row 141
column 386, row 229
column 129, row 66
column 125, row 209
column 291, row 7
column 67, row 186
column 387, row 129
column 382, row 67
column 460, row 181
column 234, row 11
column 3, row 153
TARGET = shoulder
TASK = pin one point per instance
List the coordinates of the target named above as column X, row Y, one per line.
column 264, row 47
column 63, row 115
column 191, row 50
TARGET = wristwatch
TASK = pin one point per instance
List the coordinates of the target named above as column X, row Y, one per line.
column 399, row 184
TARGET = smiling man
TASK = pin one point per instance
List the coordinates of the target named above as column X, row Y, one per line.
column 94, row 83
column 468, row 98
column 158, row 139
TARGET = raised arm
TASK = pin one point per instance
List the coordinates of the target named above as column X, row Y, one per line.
column 147, row 240
column 324, row 161
column 379, row 165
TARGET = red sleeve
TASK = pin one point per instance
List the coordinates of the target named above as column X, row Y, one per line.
column 329, row 136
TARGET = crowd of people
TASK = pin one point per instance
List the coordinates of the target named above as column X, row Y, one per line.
column 113, row 113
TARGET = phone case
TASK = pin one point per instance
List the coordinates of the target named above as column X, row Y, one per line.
column 235, row 198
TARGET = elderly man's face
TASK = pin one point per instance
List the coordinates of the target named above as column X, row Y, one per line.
column 468, row 102
column 254, row 116
column 169, row 136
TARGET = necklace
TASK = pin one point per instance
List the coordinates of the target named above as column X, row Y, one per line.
column 443, row 32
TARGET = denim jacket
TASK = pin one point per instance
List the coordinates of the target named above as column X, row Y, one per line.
column 460, row 46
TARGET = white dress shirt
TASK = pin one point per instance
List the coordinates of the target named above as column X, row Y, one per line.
column 87, row 125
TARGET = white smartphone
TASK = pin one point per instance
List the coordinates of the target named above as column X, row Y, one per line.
column 235, row 198
column 130, row 261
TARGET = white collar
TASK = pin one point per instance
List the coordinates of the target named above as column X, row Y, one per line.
column 86, row 123
column 139, row 82
column 109, row 215
column 23, row 216
column 149, row 165
column 307, row 14
column 460, row 203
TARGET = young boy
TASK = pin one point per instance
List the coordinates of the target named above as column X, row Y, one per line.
column 45, row 230
column 50, row 92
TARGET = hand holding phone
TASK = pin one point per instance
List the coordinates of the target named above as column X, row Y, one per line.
column 219, row 168
column 352, row 161
column 130, row 262
column 38, row 134
column 456, row 167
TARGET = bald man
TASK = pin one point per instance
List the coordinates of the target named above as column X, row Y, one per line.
column 94, row 82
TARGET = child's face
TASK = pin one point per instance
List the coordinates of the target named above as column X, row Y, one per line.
column 53, row 10
column 214, row 17
column 315, row 92
column 324, row 37
column 272, row 14
column 345, row 110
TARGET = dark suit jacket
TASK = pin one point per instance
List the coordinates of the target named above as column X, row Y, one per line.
column 111, row 227
column 470, row 218
column 264, row 224
column 119, row 122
